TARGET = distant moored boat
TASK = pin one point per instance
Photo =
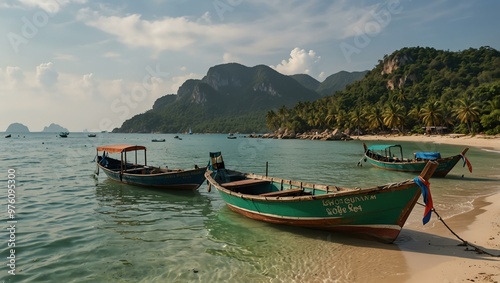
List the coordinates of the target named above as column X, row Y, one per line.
column 390, row 157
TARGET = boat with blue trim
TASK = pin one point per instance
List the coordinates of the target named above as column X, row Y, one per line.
column 128, row 172
column 390, row 157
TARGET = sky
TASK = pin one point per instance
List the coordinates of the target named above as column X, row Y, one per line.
column 91, row 65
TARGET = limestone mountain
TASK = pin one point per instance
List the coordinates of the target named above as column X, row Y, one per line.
column 230, row 98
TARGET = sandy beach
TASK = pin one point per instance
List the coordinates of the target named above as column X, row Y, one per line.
column 480, row 141
column 440, row 259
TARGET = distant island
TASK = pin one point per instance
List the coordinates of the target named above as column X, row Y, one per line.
column 54, row 128
column 17, row 128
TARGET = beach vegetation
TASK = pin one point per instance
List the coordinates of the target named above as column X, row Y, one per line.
column 416, row 89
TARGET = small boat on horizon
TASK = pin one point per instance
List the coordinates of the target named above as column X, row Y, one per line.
column 390, row 157
column 133, row 173
column 63, row 134
column 158, row 140
column 231, row 136
column 177, row 138
column 377, row 212
column 92, row 135
column 8, row 136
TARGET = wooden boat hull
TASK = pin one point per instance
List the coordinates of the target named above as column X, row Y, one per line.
column 377, row 213
column 183, row 180
column 362, row 217
column 137, row 174
column 444, row 165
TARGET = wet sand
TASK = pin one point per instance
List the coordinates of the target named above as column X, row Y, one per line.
column 439, row 258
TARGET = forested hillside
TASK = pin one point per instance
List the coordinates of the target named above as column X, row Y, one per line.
column 410, row 89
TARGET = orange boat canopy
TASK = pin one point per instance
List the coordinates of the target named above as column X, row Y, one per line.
column 118, row 148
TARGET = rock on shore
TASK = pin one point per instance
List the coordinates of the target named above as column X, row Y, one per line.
column 326, row 135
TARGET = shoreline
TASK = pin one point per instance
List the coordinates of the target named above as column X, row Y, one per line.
column 478, row 141
column 439, row 259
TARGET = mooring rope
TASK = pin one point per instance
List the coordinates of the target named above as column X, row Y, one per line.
column 464, row 242
column 364, row 156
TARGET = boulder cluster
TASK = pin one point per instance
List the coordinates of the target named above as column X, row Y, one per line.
column 326, row 135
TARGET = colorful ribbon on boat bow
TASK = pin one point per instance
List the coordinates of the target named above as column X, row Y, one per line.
column 425, row 186
column 466, row 161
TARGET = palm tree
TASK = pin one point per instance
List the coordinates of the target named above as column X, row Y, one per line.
column 341, row 118
column 272, row 120
column 375, row 118
column 467, row 111
column 447, row 115
column 394, row 116
column 330, row 117
column 283, row 114
column 414, row 114
column 357, row 118
column 431, row 114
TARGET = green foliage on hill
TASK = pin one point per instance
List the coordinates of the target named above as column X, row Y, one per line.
column 410, row 89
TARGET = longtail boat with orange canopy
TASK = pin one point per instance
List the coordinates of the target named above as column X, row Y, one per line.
column 377, row 212
column 126, row 171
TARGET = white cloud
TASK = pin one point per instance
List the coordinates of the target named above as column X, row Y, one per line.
column 49, row 6
column 177, row 81
column 300, row 62
column 160, row 35
column 46, row 75
column 229, row 58
column 322, row 76
column 88, row 82
column 14, row 74
column 205, row 18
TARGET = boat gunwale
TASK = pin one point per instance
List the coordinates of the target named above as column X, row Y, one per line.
column 174, row 171
column 330, row 193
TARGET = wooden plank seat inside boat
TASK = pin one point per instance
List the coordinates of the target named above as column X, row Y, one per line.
column 244, row 183
column 282, row 193
column 136, row 170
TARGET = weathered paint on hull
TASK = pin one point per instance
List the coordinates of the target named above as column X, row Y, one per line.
column 379, row 215
column 444, row 166
column 184, row 180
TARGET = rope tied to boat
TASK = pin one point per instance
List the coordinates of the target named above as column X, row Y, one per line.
column 464, row 243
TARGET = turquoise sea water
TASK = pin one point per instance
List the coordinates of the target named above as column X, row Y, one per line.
column 72, row 227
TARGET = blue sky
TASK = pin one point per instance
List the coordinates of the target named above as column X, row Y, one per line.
column 93, row 64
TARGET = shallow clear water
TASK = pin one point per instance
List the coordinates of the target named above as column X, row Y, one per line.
column 72, row 227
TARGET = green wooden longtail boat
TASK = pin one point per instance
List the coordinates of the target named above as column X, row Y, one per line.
column 378, row 212
column 390, row 157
